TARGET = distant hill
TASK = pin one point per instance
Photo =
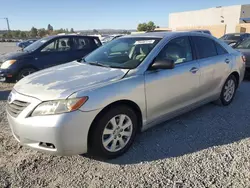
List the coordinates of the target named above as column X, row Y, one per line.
column 106, row 31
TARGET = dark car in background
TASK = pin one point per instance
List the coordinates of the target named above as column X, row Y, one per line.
column 234, row 38
column 244, row 47
column 26, row 43
column 46, row 52
column 202, row 31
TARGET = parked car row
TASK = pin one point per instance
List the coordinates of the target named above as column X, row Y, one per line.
column 44, row 53
column 9, row 40
column 24, row 44
column 97, row 105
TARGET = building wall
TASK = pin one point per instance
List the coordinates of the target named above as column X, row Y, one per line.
column 245, row 12
column 216, row 30
column 207, row 17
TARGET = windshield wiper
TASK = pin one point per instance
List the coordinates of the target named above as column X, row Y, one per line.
column 98, row 64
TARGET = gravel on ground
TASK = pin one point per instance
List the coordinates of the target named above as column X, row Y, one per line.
column 207, row 147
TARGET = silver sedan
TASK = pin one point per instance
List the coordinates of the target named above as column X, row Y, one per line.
column 99, row 104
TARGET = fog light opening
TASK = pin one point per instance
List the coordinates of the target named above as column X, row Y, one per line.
column 47, row 145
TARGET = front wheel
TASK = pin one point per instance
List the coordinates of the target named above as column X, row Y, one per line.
column 25, row 72
column 113, row 133
column 228, row 91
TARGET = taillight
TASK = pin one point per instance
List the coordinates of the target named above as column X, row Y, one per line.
column 244, row 58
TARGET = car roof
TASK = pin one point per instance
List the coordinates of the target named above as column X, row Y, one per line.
column 236, row 33
column 70, row 35
column 165, row 34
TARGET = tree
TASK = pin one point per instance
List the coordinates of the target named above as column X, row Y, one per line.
column 142, row 27
column 33, row 32
column 41, row 32
column 150, row 26
column 22, row 35
column 50, row 28
column 72, row 30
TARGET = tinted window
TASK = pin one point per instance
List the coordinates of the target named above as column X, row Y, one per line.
column 178, row 50
column 205, row 47
column 220, row 49
column 58, row 45
column 82, row 43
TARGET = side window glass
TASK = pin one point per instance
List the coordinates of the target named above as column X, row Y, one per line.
column 62, row 44
column 50, row 47
column 220, row 49
column 205, row 47
column 82, row 43
column 179, row 50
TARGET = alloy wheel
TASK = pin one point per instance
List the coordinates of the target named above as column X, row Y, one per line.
column 117, row 133
column 229, row 90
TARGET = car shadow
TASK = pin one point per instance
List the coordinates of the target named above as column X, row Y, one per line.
column 4, row 95
column 203, row 128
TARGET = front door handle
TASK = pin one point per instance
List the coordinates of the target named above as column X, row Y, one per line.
column 194, row 70
column 227, row 61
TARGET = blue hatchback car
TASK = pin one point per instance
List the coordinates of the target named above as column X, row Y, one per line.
column 44, row 53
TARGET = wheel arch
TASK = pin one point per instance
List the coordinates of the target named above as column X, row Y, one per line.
column 125, row 102
column 237, row 76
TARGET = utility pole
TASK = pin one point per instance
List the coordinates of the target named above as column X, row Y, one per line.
column 8, row 25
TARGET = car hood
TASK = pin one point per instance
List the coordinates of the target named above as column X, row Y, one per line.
column 12, row 55
column 61, row 81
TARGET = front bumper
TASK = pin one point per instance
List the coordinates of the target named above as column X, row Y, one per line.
column 62, row 134
column 6, row 74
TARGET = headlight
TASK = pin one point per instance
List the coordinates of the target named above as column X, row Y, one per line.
column 6, row 64
column 59, row 106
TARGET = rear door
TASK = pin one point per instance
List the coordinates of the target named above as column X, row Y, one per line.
column 55, row 52
column 214, row 62
column 83, row 46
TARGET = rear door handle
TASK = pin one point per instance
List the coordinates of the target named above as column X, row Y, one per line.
column 194, row 70
column 227, row 61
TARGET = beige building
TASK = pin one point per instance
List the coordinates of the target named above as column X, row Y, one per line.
column 219, row 20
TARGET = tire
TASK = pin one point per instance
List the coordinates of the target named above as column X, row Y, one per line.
column 24, row 72
column 109, row 146
column 228, row 91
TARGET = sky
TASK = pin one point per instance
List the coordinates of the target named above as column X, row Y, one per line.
column 97, row 14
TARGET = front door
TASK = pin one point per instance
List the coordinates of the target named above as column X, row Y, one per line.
column 55, row 53
column 173, row 89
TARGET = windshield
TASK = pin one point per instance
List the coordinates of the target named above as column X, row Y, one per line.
column 245, row 44
column 126, row 53
column 37, row 44
column 231, row 37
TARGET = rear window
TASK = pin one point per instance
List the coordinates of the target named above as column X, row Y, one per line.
column 205, row 47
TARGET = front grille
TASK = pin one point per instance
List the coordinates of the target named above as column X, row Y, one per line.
column 16, row 107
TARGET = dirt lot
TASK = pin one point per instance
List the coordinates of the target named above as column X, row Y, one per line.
column 208, row 147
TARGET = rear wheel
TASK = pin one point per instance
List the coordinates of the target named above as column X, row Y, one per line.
column 228, row 91
column 113, row 133
column 25, row 72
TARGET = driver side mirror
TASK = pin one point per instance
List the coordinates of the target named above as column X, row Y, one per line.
column 162, row 64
